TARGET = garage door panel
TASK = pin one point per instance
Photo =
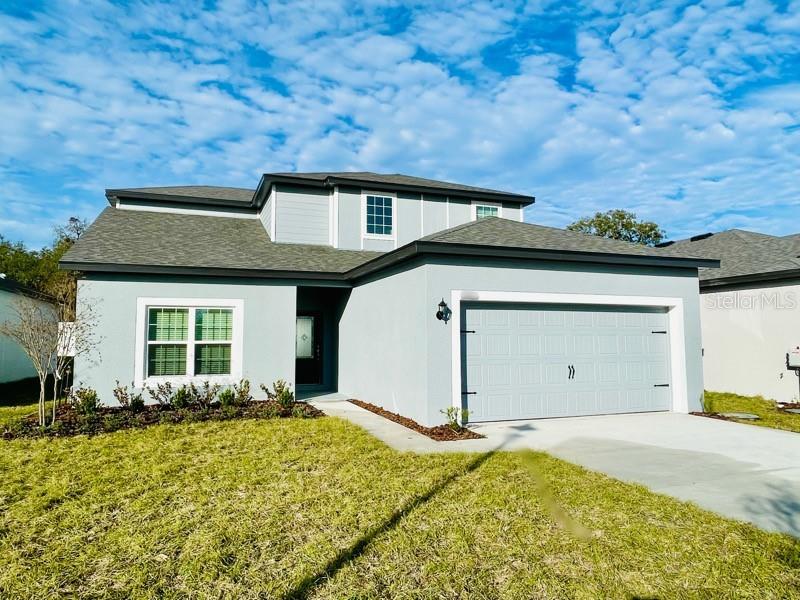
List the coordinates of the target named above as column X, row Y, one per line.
column 607, row 344
column 530, row 374
column 498, row 375
column 529, row 344
column 547, row 361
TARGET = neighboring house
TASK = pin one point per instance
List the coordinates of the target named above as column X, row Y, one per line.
column 14, row 363
column 333, row 281
column 750, row 311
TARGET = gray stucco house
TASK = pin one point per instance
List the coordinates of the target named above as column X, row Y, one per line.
column 750, row 311
column 333, row 281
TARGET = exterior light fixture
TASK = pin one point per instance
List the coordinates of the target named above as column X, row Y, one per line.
column 443, row 314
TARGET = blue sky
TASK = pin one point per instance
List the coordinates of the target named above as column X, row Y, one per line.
column 687, row 114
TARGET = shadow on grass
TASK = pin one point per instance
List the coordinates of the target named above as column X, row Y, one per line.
column 310, row 583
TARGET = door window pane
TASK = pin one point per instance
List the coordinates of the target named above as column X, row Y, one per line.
column 304, row 346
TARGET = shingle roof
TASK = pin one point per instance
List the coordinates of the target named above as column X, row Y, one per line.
column 208, row 192
column 743, row 253
column 507, row 233
column 400, row 180
column 154, row 239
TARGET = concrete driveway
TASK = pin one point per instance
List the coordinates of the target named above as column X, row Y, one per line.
column 740, row 471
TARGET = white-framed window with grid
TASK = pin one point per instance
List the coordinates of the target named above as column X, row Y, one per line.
column 186, row 340
column 379, row 216
column 482, row 210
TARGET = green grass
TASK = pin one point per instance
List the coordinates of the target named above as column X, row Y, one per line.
column 723, row 402
column 318, row 508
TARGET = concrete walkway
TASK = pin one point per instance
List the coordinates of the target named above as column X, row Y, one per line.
column 740, row 471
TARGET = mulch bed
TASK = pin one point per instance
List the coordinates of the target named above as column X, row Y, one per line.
column 70, row 422
column 784, row 406
column 440, row 433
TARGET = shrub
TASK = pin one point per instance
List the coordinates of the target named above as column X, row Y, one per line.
column 128, row 399
column 227, row 398
column 299, row 411
column 282, row 393
column 242, row 393
column 162, row 393
column 455, row 416
column 85, row 401
column 271, row 411
column 182, row 398
column 204, row 395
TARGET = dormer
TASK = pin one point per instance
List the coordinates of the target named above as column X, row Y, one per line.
column 371, row 211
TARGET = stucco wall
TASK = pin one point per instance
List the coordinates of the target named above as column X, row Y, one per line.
column 395, row 353
column 268, row 317
column 14, row 364
column 746, row 334
column 382, row 344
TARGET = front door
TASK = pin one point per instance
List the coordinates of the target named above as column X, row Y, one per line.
column 308, row 349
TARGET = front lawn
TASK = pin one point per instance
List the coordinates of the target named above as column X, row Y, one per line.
column 770, row 416
column 319, row 508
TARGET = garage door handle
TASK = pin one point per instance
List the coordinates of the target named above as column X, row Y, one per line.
column 467, row 331
column 661, row 385
column 468, row 393
column 664, row 331
column 570, row 372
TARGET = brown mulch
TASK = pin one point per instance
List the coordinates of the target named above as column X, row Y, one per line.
column 783, row 406
column 70, row 422
column 440, row 433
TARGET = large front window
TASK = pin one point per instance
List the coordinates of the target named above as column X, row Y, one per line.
column 379, row 215
column 189, row 341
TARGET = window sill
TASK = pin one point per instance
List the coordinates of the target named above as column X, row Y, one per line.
column 180, row 380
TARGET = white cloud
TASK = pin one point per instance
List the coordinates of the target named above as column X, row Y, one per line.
column 686, row 116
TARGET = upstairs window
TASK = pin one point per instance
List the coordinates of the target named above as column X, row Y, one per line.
column 379, row 221
column 486, row 210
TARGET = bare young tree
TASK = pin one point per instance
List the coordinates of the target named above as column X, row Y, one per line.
column 34, row 328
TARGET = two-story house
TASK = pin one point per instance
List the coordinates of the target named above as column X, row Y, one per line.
column 412, row 294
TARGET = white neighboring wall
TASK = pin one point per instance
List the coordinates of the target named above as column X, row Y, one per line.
column 14, row 364
column 746, row 334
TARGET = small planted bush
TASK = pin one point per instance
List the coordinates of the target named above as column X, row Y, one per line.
column 455, row 416
column 204, row 395
column 242, row 393
column 182, row 398
column 162, row 393
column 227, row 398
column 85, row 401
column 281, row 393
column 129, row 399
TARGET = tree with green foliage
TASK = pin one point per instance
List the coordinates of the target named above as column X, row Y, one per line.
column 620, row 225
column 38, row 269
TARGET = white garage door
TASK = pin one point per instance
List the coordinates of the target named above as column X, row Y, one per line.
column 534, row 361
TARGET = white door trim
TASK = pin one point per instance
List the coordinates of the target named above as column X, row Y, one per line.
column 674, row 306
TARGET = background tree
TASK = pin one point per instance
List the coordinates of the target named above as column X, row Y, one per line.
column 620, row 225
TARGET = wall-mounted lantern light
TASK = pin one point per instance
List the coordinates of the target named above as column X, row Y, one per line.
column 443, row 314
